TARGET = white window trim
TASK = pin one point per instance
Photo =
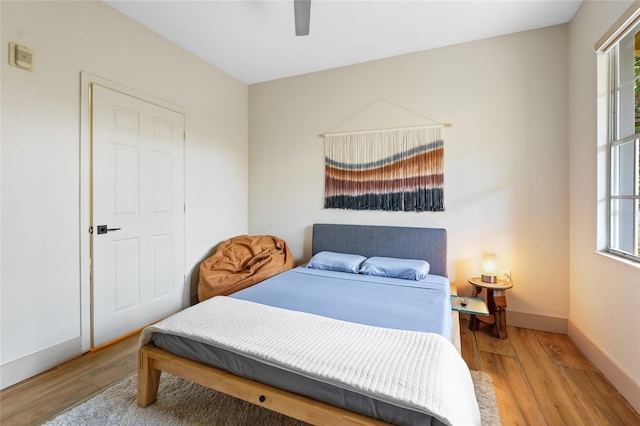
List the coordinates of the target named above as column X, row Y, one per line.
column 620, row 29
column 628, row 22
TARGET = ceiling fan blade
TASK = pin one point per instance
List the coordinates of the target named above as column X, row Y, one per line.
column 302, row 11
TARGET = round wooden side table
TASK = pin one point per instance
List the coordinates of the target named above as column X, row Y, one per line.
column 496, row 302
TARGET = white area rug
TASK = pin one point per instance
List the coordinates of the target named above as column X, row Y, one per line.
column 181, row 402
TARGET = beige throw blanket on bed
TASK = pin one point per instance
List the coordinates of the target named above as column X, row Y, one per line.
column 418, row 371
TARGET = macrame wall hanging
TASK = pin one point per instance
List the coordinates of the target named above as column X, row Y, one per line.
column 398, row 169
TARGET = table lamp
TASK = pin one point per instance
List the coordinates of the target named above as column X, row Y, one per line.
column 489, row 268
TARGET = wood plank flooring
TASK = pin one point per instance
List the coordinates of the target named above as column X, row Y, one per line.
column 46, row 395
column 540, row 378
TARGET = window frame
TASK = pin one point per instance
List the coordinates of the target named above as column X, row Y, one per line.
column 614, row 141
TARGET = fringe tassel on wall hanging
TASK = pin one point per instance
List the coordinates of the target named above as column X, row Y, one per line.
column 392, row 170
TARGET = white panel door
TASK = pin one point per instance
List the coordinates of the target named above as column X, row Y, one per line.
column 138, row 196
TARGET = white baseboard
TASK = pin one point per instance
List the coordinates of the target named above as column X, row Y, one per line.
column 616, row 375
column 30, row 365
column 537, row 322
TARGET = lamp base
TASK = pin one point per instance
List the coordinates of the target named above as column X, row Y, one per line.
column 489, row 279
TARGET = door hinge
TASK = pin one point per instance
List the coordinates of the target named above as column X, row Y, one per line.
column 91, row 229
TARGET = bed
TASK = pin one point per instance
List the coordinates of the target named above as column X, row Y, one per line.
column 308, row 344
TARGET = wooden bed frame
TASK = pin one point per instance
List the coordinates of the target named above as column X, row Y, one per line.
column 152, row 361
column 417, row 243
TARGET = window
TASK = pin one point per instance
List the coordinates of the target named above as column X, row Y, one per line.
column 624, row 147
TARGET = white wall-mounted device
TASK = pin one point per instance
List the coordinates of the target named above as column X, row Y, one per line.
column 20, row 56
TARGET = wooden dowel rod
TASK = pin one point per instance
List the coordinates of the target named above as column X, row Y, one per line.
column 386, row 130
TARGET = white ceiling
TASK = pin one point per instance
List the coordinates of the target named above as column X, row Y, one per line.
column 255, row 41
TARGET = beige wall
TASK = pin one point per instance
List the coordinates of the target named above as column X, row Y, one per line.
column 605, row 292
column 41, row 209
column 505, row 156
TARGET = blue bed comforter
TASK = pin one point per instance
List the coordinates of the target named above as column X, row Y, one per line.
column 377, row 301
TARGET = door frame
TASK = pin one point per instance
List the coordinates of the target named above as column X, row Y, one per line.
column 86, row 80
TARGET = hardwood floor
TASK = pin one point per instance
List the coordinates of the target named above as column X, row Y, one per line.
column 46, row 395
column 540, row 378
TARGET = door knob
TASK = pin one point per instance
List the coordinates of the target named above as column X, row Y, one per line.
column 103, row 229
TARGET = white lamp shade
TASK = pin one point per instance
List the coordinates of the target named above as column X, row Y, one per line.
column 489, row 267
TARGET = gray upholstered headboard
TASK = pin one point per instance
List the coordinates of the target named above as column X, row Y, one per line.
column 429, row 244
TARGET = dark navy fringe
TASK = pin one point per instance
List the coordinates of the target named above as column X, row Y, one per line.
column 422, row 200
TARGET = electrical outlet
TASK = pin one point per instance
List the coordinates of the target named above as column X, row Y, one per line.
column 505, row 275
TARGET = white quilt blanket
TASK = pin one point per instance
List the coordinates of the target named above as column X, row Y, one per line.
column 418, row 371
